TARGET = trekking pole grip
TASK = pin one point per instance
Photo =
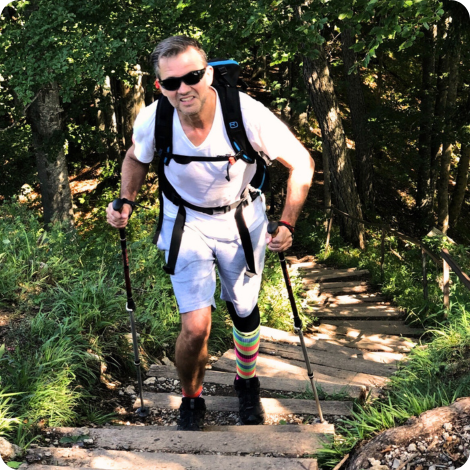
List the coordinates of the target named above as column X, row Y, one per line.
column 273, row 228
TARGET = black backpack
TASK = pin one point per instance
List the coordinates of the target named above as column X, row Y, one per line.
column 226, row 81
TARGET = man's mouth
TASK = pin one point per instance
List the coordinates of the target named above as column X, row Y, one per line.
column 187, row 99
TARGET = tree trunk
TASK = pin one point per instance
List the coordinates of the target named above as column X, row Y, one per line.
column 461, row 185
column 106, row 118
column 423, row 194
column 325, row 105
column 444, row 176
column 364, row 158
column 440, row 107
column 133, row 100
column 47, row 125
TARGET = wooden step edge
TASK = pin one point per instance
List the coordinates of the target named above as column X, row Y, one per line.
column 125, row 460
column 315, row 428
column 275, row 406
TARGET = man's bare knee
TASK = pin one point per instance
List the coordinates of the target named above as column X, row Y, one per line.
column 196, row 326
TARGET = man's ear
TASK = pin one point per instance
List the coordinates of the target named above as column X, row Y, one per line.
column 210, row 74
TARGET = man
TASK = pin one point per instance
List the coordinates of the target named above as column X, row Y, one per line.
column 211, row 240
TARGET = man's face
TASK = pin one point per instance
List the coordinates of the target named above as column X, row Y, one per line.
column 188, row 99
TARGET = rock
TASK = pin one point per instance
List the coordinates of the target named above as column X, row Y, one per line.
column 150, row 381
column 411, row 448
column 7, row 450
column 130, row 390
column 447, row 426
column 375, row 465
column 176, row 383
column 425, row 427
column 422, row 447
column 396, row 463
column 432, row 467
column 167, row 362
column 161, row 379
column 88, row 441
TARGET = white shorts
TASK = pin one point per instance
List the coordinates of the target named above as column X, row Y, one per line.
column 194, row 279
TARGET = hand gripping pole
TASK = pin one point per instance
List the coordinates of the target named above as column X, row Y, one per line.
column 142, row 412
column 273, row 228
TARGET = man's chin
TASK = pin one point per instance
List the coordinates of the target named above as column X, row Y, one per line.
column 189, row 111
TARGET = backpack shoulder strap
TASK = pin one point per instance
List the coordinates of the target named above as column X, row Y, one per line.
column 164, row 126
column 233, row 120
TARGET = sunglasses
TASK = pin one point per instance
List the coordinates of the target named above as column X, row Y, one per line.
column 191, row 78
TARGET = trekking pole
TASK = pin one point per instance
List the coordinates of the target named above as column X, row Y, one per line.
column 141, row 412
column 273, row 228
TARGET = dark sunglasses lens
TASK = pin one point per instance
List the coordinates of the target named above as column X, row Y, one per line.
column 191, row 78
column 171, row 84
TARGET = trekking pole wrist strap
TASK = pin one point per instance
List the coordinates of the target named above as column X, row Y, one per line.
column 289, row 227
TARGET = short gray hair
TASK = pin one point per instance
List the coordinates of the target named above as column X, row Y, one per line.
column 173, row 46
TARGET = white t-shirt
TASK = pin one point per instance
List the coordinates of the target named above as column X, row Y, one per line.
column 204, row 183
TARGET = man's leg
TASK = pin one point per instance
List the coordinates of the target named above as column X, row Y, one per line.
column 191, row 349
column 191, row 359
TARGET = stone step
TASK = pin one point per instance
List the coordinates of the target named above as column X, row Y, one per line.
column 376, row 343
column 290, row 440
column 353, row 312
column 346, row 361
column 364, row 328
column 325, row 375
column 278, row 384
column 120, row 460
column 276, row 406
column 321, row 275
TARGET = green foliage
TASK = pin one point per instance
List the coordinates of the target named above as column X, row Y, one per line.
column 274, row 304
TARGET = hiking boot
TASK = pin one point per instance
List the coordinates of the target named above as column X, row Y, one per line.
column 192, row 412
column 251, row 409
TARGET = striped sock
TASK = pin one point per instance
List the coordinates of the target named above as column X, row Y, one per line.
column 246, row 349
column 196, row 395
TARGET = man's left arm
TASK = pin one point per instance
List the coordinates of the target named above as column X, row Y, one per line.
column 301, row 167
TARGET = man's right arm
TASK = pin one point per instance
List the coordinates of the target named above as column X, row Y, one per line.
column 132, row 178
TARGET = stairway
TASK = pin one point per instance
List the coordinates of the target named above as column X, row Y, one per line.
column 357, row 342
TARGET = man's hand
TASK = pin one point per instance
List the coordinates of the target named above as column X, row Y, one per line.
column 118, row 219
column 281, row 241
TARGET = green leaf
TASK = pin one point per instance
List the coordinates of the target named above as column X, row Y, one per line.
column 14, row 464
column 342, row 16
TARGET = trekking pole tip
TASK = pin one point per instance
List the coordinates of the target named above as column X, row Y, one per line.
column 142, row 412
